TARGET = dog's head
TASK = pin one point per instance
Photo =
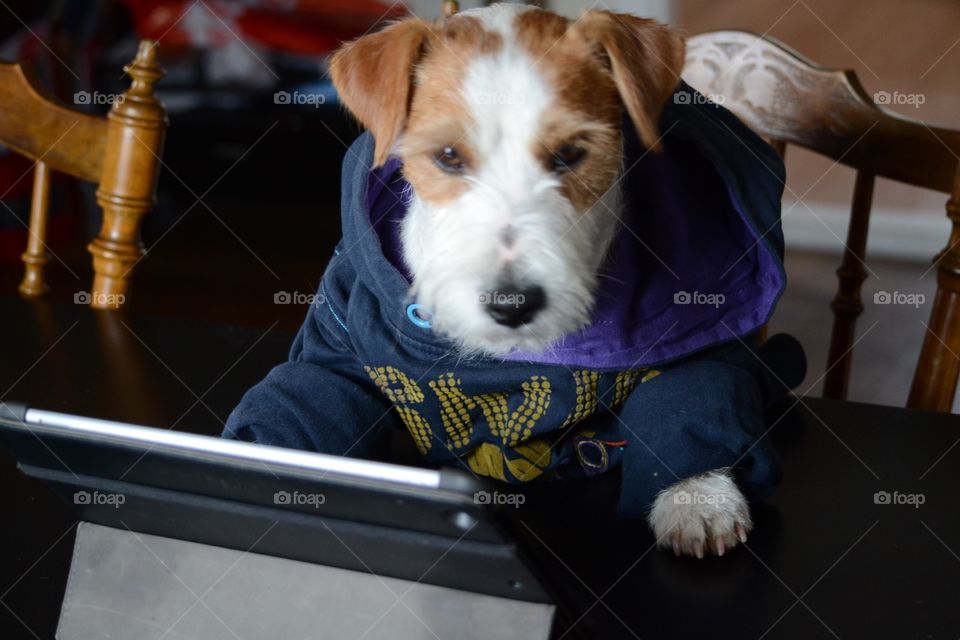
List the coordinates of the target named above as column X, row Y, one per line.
column 508, row 121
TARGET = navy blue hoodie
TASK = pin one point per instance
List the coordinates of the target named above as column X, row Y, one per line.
column 665, row 382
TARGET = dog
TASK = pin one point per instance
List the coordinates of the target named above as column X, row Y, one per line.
column 511, row 126
column 510, row 122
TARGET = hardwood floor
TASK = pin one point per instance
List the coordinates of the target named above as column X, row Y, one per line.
column 889, row 334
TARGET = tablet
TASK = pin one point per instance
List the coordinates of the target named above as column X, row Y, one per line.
column 425, row 525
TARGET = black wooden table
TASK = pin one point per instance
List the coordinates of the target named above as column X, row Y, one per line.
column 828, row 559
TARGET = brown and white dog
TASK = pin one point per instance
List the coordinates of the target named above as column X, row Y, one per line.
column 508, row 121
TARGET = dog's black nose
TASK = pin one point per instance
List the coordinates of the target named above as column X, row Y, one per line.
column 513, row 307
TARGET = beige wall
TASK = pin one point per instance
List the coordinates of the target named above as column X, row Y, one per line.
column 659, row 9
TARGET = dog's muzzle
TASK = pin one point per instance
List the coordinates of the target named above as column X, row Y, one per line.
column 514, row 306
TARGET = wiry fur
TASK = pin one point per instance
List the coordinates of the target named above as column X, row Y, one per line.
column 551, row 247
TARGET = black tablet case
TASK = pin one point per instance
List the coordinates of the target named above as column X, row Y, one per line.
column 436, row 536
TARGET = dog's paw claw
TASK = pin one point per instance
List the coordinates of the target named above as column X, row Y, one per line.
column 741, row 532
column 701, row 515
column 698, row 548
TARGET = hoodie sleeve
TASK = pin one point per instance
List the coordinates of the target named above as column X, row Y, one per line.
column 319, row 400
column 706, row 413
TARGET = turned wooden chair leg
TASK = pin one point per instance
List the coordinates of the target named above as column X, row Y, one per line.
column 847, row 305
column 35, row 257
column 135, row 135
column 935, row 379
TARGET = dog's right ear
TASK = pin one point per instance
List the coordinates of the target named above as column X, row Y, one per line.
column 374, row 78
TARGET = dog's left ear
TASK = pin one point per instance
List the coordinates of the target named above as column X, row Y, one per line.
column 645, row 59
column 374, row 79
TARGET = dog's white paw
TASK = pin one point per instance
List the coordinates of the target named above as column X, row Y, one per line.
column 702, row 514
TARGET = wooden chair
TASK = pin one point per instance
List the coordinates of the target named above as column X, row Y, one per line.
column 119, row 153
column 787, row 98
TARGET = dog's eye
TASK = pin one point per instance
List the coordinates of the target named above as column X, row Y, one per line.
column 567, row 157
column 448, row 160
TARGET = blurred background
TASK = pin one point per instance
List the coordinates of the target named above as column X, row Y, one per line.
column 248, row 201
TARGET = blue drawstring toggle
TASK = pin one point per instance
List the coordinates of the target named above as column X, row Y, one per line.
column 419, row 315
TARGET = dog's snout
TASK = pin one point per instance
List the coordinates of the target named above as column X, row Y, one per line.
column 514, row 306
